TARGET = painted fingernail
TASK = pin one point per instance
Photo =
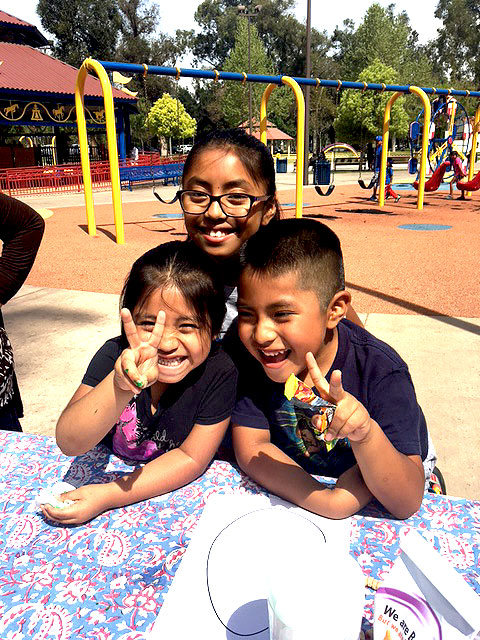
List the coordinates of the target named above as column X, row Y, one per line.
column 139, row 383
column 125, row 370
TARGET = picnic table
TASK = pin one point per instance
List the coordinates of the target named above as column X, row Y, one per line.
column 107, row 579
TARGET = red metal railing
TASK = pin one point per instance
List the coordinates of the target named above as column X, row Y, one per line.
column 67, row 178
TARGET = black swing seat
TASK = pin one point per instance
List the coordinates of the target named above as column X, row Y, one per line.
column 159, row 197
column 369, row 186
column 328, row 192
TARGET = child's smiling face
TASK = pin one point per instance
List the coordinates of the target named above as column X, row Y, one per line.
column 185, row 344
column 279, row 323
column 218, row 171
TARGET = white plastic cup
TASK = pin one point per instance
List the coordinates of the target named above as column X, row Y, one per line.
column 323, row 598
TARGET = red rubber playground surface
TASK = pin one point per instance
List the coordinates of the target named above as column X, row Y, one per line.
column 426, row 270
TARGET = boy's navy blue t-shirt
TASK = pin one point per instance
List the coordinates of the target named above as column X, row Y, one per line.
column 373, row 373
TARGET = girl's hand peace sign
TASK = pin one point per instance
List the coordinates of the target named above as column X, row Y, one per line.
column 137, row 367
column 351, row 420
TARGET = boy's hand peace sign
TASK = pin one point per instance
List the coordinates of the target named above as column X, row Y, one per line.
column 137, row 367
column 351, row 420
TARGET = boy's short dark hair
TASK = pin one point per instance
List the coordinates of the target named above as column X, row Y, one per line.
column 306, row 246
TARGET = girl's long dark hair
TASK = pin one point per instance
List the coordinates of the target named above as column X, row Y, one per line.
column 180, row 265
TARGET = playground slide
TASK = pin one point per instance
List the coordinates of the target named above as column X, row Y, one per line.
column 435, row 179
column 471, row 185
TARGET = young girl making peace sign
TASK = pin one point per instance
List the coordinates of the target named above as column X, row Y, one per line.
column 160, row 394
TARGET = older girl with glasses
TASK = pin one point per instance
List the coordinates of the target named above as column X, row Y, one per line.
column 228, row 193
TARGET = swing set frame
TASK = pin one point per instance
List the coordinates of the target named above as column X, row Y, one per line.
column 101, row 69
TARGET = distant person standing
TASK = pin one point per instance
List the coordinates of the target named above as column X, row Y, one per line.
column 389, row 192
column 378, row 161
column 21, row 231
column 458, row 173
column 370, row 156
column 135, row 154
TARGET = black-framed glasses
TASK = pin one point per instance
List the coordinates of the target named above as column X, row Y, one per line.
column 236, row 205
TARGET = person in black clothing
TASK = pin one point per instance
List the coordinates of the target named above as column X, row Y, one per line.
column 21, row 232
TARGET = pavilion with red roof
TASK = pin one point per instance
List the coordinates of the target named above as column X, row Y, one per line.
column 274, row 134
column 37, row 90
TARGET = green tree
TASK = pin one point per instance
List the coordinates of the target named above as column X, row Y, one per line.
column 455, row 50
column 168, row 118
column 322, row 115
column 360, row 115
column 233, row 96
column 81, row 28
column 283, row 36
column 141, row 42
column 322, row 102
column 385, row 36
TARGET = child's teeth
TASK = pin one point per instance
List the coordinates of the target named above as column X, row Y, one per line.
column 170, row 362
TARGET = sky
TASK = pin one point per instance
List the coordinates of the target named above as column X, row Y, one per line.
column 180, row 14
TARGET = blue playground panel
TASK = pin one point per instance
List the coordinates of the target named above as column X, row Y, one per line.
column 171, row 216
column 407, row 186
column 293, row 204
column 425, row 227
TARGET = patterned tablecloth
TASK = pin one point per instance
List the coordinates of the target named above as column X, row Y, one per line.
column 107, row 579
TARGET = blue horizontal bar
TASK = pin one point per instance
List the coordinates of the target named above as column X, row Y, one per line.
column 315, row 82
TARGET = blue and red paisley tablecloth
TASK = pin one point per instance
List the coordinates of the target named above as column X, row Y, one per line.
column 107, row 579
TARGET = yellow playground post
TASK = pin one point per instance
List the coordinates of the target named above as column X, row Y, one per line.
column 423, row 161
column 92, row 65
column 473, row 150
column 300, row 134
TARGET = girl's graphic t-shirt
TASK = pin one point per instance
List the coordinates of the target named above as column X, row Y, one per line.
column 205, row 396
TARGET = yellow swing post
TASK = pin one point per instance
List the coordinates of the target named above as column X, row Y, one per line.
column 93, row 65
column 473, row 150
column 300, row 134
column 423, row 161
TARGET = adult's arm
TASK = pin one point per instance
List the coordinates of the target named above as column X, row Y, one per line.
column 21, row 231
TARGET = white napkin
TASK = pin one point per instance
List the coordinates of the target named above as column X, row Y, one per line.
column 50, row 495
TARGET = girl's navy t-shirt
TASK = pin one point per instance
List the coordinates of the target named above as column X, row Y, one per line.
column 205, row 396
